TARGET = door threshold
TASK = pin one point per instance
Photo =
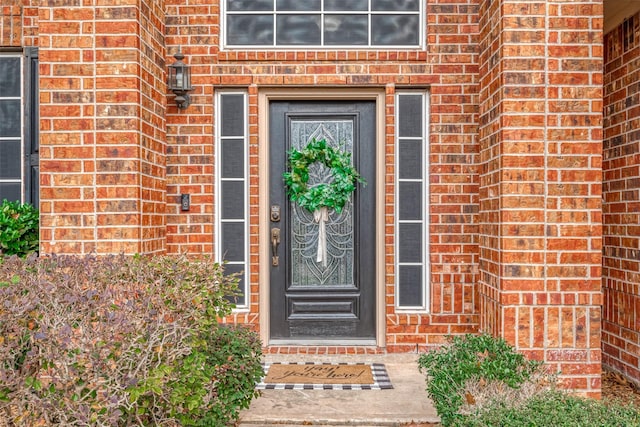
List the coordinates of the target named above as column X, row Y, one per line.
column 321, row 342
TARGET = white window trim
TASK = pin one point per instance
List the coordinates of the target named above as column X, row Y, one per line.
column 218, row 187
column 274, row 47
column 21, row 98
column 425, row 262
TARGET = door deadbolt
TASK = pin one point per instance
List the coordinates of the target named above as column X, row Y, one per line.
column 275, row 213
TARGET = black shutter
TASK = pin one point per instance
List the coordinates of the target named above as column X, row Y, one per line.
column 31, row 135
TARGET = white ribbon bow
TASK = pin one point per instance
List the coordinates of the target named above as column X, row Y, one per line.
column 321, row 216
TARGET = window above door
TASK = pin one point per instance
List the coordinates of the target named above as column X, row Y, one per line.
column 325, row 24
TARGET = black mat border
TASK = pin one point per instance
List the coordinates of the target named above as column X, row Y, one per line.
column 381, row 379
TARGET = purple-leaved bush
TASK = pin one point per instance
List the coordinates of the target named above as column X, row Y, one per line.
column 103, row 341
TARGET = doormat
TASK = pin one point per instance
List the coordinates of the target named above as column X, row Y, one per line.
column 325, row 376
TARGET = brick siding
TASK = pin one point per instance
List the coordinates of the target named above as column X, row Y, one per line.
column 102, row 101
column 515, row 130
column 18, row 23
column 449, row 68
column 10, row 25
column 621, row 194
column 540, row 182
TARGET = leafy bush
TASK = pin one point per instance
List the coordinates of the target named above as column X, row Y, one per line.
column 471, row 358
column 18, row 228
column 235, row 369
column 479, row 381
column 119, row 341
column 554, row 409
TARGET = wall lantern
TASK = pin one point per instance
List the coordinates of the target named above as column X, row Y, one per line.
column 180, row 80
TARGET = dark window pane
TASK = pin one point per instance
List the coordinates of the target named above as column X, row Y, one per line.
column 298, row 5
column 232, row 115
column 238, row 268
column 233, row 241
column 346, row 30
column 9, row 77
column 10, row 160
column 410, row 201
column 410, row 243
column 10, row 191
column 410, row 286
column 232, row 200
column 410, row 115
column 10, row 117
column 397, row 30
column 410, row 162
column 395, row 5
column 298, row 30
column 249, row 5
column 345, row 5
column 232, row 158
column 256, row 30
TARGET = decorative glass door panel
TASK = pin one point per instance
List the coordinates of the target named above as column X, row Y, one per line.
column 306, row 271
column 333, row 299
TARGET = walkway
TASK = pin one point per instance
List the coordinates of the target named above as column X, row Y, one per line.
column 406, row 403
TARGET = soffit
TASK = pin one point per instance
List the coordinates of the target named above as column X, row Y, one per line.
column 616, row 11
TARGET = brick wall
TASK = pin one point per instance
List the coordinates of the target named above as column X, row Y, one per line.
column 621, row 194
column 449, row 67
column 489, row 162
column 152, row 81
column 102, row 127
column 515, row 223
column 10, row 25
column 194, row 26
column 540, row 182
column 18, row 23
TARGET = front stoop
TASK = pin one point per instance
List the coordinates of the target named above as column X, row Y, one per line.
column 406, row 403
column 353, row 423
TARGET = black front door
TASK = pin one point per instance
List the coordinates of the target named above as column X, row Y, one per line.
column 332, row 300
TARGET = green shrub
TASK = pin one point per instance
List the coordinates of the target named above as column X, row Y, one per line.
column 18, row 228
column 554, row 409
column 235, row 369
column 466, row 358
column 518, row 393
column 120, row 341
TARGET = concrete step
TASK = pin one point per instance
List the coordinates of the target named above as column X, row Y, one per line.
column 340, row 425
column 407, row 404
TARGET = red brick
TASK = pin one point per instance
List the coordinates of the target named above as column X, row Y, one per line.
column 516, row 156
column 621, row 290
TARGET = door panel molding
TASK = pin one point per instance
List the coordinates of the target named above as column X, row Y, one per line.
column 265, row 96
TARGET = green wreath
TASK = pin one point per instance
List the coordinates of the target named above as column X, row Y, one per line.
column 333, row 195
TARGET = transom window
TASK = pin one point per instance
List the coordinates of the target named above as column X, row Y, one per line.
column 323, row 23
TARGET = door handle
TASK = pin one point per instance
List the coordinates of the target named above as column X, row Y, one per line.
column 275, row 242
